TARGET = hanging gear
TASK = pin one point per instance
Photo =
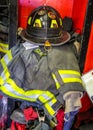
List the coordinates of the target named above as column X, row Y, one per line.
column 38, row 74
column 18, row 116
column 41, row 126
column 17, row 126
column 47, row 93
column 45, row 23
column 3, row 112
column 19, row 57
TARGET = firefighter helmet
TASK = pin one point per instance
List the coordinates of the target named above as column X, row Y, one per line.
column 45, row 24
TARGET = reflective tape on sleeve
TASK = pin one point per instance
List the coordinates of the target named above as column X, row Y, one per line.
column 1, row 80
column 70, row 76
column 66, row 76
column 47, row 97
column 56, row 81
column 50, row 110
column 5, row 74
column 48, row 104
column 14, row 91
column 6, row 59
column 11, row 89
column 69, row 72
column 4, row 62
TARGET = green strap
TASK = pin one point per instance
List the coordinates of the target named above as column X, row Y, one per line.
column 39, row 53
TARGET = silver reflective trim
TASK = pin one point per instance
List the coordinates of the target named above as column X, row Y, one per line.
column 46, row 97
column 6, row 58
column 58, row 76
column 70, row 76
column 50, row 103
column 3, row 76
column 10, row 89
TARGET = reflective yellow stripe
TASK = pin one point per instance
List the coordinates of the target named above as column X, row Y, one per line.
column 48, row 105
column 50, row 109
column 3, row 63
column 70, row 76
column 19, row 90
column 9, row 55
column 2, row 50
column 28, row 98
column 68, row 72
column 53, row 101
column 47, row 96
column 11, row 89
column 6, row 73
column 29, row 20
column 4, row 47
column 68, row 80
column 53, row 22
column 67, row 76
column 56, row 81
column 11, row 94
column 6, row 59
column 1, row 80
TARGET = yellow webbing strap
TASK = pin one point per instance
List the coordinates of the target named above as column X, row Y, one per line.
column 39, row 52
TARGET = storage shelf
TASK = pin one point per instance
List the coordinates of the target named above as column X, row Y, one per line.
column 8, row 9
column 4, row 6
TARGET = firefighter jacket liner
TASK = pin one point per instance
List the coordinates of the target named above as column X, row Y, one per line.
column 31, row 75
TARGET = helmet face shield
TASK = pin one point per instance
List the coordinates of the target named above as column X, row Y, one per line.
column 45, row 23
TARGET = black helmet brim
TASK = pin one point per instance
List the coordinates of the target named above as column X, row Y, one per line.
column 55, row 41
